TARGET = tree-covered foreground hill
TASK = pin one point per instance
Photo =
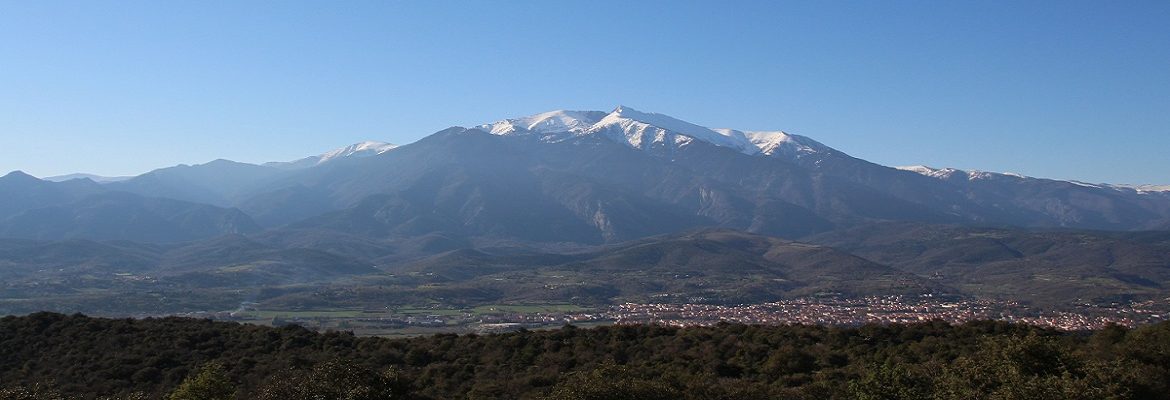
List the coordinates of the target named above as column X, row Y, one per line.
column 54, row 356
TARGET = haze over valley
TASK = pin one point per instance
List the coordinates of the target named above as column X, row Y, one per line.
column 583, row 208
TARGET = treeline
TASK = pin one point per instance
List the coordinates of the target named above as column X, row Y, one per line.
column 54, row 356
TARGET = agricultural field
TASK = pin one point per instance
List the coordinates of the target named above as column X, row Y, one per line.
column 413, row 320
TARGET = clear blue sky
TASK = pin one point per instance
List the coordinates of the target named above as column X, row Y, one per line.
column 1061, row 89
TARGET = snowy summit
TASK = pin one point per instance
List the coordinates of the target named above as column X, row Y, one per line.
column 641, row 130
column 362, row 149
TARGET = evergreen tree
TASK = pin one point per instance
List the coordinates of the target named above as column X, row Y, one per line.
column 209, row 382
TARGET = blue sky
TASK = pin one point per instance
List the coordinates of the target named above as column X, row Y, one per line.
column 1060, row 89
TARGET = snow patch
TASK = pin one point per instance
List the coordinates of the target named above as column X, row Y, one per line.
column 639, row 129
column 1149, row 188
column 1140, row 189
column 938, row 173
column 634, row 121
column 362, row 149
column 547, row 123
column 776, row 142
column 948, row 173
column 1086, row 184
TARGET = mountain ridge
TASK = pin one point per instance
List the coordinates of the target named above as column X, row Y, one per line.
column 366, row 148
column 626, row 174
column 576, row 206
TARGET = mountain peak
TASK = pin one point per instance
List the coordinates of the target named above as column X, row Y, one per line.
column 360, row 149
column 92, row 177
column 222, row 161
column 640, row 129
column 546, row 123
column 19, row 175
column 662, row 121
column 767, row 143
column 948, row 173
column 625, row 109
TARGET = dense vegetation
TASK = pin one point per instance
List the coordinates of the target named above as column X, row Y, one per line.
column 51, row 356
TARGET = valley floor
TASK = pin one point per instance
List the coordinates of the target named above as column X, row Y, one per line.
column 833, row 311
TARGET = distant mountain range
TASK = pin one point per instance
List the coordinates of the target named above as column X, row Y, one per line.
column 92, row 177
column 595, row 177
column 565, row 181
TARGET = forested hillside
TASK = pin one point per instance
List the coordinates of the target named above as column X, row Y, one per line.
column 54, row 356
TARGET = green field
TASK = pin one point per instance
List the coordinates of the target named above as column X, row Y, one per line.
column 267, row 314
column 426, row 311
column 414, row 311
column 528, row 308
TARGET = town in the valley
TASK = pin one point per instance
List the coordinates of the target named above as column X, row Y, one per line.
column 831, row 311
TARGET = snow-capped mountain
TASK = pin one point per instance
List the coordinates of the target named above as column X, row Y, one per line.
column 549, row 187
column 952, row 173
column 565, row 176
column 1145, row 188
column 642, row 130
column 548, row 124
column 362, row 149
